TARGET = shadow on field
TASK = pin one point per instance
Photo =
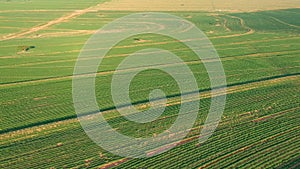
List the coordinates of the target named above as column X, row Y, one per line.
column 140, row 102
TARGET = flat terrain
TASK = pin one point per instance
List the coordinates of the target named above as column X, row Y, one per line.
column 199, row 5
column 40, row 42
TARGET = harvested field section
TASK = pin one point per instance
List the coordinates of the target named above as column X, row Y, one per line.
column 198, row 5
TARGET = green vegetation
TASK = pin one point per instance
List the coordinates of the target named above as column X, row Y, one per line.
column 39, row 129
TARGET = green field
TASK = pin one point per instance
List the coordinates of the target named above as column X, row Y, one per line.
column 260, row 126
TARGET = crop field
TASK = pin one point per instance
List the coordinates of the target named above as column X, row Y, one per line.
column 258, row 44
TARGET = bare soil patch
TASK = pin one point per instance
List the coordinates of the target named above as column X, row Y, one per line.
column 197, row 5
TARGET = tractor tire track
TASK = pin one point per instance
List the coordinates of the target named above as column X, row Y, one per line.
column 51, row 23
column 243, row 24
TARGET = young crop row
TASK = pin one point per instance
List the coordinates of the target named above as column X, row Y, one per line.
column 191, row 155
column 55, row 97
column 254, row 151
column 285, row 149
column 275, row 125
column 63, row 136
column 65, row 106
column 57, row 48
column 259, row 126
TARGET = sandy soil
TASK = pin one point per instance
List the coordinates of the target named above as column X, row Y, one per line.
column 199, row 5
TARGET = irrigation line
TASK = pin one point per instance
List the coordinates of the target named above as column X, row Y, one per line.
column 138, row 102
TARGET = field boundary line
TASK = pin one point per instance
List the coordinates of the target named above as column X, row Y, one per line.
column 243, row 24
column 113, row 163
column 284, row 23
column 271, row 116
column 232, row 88
column 66, row 77
column 64, row 18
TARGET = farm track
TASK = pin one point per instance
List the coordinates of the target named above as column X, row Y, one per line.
column 113, row 164
column 129, row 46
column 65, row 18
column 225, row 25
column 89, row 32
column 256, row 151
column 284, row 23
column 249, row 30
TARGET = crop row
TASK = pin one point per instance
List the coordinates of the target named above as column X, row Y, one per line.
column 219, row 142
column 71, row 147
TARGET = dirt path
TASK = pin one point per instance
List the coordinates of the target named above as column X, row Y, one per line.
column 285, row 23
column 243, row 24
column 113, row 163
column 225, row 25
column 51, row 23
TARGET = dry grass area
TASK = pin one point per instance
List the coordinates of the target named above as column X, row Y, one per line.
column 199, row 5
